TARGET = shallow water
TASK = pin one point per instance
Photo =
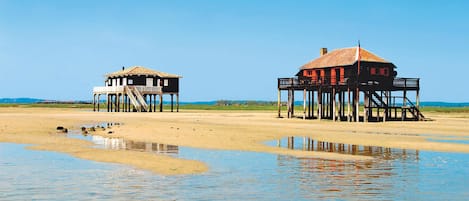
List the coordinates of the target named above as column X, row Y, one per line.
column 233, row 175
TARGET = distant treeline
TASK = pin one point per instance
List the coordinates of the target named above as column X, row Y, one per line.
column 243, row 102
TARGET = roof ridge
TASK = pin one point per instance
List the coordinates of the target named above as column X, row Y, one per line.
column 343, row 57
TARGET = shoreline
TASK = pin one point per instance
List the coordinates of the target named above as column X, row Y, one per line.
column 219, row 130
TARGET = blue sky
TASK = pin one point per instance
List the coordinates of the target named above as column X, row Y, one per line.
column 224, row 49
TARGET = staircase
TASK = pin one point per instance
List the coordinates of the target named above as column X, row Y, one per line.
column 414, row 111
column 136, row 98
column 141, row 99
column 379, row 101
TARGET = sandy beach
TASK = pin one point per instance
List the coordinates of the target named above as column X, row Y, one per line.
column 225, row 130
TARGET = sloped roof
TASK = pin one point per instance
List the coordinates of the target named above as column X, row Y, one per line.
column 140, row 70
column 343, row 57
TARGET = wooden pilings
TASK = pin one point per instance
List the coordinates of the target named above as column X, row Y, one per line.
column 120, row 102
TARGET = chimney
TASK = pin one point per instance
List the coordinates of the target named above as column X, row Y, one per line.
column 322, row 51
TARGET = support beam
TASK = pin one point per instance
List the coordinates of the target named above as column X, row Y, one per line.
column 161, row 102
column 357, row 104
column 150, row 105
column 279, row 103
column 348, row 105
column 304, row 103
column 172, row 102
column 333, row 104
column 319, row 104
column 94, row 102
column 365, row 106
column 292, row 103
column 177, row 102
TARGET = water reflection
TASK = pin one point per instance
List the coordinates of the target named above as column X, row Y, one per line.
column 233, row 175
column 309, row 144
column 123, row 144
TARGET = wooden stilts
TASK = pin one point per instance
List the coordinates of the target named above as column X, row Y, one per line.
column 365, row 106
column 312, row 104
column 279, row 103
column 94, row 102
column 319, row 104
column 161, row 102
column 304, row 103
column 417, row 103
column 357, row 105
column 333, row 104
column 404, row 105
column 172, row 102
column 292, row 103
column 348, row 105
column 150, row 105
column 288, row 103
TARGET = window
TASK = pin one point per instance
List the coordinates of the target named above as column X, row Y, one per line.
column 310, row 72
column 385, row 72
column 373, row 71
column 165, row 82
column 130, row 81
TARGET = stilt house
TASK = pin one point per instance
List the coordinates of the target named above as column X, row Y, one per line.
column 136, row 89
column 347, row 72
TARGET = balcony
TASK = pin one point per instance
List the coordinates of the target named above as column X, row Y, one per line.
column 121, row 89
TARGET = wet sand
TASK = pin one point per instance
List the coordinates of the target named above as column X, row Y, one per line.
column 226, row 130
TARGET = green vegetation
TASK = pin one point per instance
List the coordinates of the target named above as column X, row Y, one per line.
column 445, row 109
column 224, row 105
column 51, row 105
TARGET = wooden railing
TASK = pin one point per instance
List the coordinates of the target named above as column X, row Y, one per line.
column 120, row 89
column 406, row 82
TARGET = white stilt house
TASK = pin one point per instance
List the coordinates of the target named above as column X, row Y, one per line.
column 136, row 89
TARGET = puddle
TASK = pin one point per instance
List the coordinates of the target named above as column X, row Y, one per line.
column 308, row 144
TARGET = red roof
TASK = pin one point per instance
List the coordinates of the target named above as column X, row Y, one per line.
column 343, row 57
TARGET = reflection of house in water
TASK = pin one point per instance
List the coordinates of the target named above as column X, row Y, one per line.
column 345, row 178
column 121, row 144
column 308, row 144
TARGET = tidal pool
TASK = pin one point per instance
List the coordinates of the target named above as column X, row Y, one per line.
column 233, row 175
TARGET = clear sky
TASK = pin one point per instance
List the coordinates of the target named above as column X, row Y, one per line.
column 224, row 49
